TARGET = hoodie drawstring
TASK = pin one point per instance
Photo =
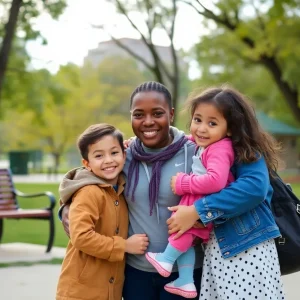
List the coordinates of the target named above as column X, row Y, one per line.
column 148, row 176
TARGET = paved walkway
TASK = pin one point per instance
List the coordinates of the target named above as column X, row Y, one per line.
column 38, row 178
column 38, row 282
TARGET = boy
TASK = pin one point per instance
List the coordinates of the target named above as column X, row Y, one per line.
column 93, row 267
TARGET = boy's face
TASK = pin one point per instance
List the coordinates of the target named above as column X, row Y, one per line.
column 106, row 159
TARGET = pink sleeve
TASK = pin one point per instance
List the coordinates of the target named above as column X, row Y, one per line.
column 217, row 159
column 190, row 138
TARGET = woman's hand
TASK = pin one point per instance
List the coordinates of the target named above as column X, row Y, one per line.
column 127, row 143
column 183, row 219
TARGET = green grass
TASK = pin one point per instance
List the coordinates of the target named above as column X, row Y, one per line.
column 34, row 231
column 37, row 231
column 296, row 189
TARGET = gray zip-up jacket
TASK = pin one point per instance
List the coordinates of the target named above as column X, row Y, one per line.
column 155, row 226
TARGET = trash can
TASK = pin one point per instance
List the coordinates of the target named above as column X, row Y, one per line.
column 36, row 159
column 18, row 161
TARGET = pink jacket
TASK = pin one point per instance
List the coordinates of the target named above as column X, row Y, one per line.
column 217, row 159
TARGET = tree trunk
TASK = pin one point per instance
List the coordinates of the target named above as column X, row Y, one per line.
column 8, row 39
column 56, row 157
column 290, row 95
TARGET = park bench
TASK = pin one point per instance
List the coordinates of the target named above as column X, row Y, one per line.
column 9, row 207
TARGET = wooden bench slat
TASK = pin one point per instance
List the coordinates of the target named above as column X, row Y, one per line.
column 13, row 207
column 4, row 190
column 23, row 213
column 6, row 201
column 7, row 196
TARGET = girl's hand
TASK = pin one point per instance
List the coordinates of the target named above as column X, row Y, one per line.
column 184, row 219
column 127, row 143
column 173, row 182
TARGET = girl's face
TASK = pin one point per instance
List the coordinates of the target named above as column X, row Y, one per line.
column 151, row 117
column 208, row 125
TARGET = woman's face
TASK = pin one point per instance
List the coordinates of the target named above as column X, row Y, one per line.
column 151, row 117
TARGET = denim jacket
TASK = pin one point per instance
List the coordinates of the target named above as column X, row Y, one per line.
column 241, row 212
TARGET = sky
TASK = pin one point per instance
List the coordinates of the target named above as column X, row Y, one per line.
column 70, row 37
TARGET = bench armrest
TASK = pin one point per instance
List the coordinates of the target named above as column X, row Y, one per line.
column 48, row 194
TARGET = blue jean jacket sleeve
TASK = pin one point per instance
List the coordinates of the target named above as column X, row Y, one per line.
column 252, row 186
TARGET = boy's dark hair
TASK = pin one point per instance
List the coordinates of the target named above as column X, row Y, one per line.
column 248, row 138
column 93, row 134
column 153, row 86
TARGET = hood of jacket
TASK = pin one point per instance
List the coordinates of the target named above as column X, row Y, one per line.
column 75, row 180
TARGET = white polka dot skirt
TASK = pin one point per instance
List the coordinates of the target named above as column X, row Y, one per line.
column 252, row 274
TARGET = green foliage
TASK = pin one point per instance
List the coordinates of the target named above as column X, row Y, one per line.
column 61, row 106
column 29, row 11
column 14, row 92
column 269, row 29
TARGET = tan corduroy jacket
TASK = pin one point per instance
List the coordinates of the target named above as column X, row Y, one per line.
column 93, row 268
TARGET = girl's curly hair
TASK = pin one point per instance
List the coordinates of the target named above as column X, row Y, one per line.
column 249, row 140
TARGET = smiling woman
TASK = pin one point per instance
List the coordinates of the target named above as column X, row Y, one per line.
column 158, row 153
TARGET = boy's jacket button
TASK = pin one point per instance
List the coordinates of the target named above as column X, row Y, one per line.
column 116, row 203
column 111, row 280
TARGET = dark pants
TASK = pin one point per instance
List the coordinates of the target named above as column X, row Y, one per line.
column 150, row 286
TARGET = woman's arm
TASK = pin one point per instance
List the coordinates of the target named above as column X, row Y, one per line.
column 252, row 186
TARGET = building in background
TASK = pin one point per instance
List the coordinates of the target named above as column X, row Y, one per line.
column 111, row 49
column 286, row 135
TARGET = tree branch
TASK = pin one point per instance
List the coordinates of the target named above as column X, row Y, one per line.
column 127, row 49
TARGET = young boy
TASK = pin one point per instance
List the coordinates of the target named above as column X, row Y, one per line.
column 93, row 267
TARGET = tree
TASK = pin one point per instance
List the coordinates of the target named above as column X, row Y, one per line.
column 20, row 16
column 156, row 17
column 268, row 36
column 70, row 101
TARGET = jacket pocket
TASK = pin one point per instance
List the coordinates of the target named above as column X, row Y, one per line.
column 246, row 222
column 86, row 270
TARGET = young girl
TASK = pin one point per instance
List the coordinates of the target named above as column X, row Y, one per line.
column 241, row 260
column 210, row 173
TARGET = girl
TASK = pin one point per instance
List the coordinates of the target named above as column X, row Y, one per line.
column 241, row 260
column 210, row 173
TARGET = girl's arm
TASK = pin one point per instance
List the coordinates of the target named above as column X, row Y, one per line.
column 84, row 214
column 252, row 186
column 219, row 158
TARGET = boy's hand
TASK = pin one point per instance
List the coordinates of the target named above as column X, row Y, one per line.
column 173, row 182
column 65, row 219
column 137, row 244
column 127, row 143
